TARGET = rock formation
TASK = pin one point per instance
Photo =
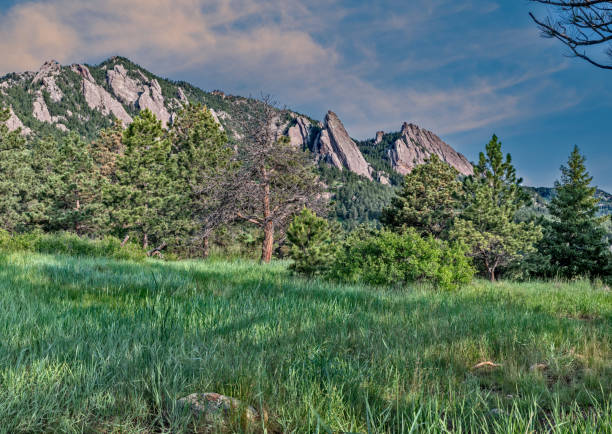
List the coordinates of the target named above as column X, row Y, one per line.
column 40, row 110
column 299, row 134
column 379, row 137
column 152, row 99
column 416, row 145
column 335, row 146
column 124, row 87
column 98, row 98
column 13, row 123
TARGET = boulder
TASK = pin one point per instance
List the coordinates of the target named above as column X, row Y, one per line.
column 219, row 410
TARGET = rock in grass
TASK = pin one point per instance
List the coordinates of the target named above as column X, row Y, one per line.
column 538, row 367
column 218, row 410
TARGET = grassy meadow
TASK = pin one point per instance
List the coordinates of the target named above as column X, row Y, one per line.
column 100, row 345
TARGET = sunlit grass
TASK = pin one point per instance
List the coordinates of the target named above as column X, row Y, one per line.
column 101, row 345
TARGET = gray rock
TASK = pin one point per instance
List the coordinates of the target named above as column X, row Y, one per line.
column 62, row 127
column 153, row 100
column 181, row 95
column 48, row 69
column 55, row 93
column 217, row 410
column 124, row 87
column 98, row 98
column 335, row 146
column 40, row 110
column 299, row 134
column 13, row 123
column 417, row 145
column 379, row 137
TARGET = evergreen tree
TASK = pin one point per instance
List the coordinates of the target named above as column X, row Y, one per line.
column 491, row 199
column 17, row 179
column 204, row 161
column 427, row 201
column 310, row 243
column 575, row 238
column 144, row 195
column 77, row 200
column 276, row 180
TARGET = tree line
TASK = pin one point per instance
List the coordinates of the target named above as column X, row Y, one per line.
column 178, row 188
column 477, row 217
column 158, row 187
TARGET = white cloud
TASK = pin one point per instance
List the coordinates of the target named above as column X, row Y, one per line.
column 275, row 46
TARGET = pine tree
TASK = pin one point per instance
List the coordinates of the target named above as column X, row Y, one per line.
column 17, row 179
column 491, row 199
column 204, row 161
column 275, row 180
column 575, row 238
column 144, row 195
column 77, row 200
column 427, row 201
column 310, row 243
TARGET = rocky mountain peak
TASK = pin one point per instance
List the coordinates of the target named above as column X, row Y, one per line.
column 335, row 146
column 416, row 146
column 48, row 69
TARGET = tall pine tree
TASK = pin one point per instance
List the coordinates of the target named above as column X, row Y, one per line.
column 204, row 161
column 491, row 199
column 575, row 238
column 17, row 179
column 144, row 195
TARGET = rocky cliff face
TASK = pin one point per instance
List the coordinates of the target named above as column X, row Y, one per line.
column 335, row 146
column 416, row 145
column 86, row 98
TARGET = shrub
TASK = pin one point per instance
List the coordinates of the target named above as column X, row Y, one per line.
column 70, row 244
column 388, row 258
column 310, row 243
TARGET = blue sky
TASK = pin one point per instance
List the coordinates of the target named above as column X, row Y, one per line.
column 464, row 69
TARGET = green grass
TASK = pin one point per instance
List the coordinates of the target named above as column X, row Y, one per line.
column 96, row 345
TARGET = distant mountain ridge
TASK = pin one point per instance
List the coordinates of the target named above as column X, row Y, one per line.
column 83, row 98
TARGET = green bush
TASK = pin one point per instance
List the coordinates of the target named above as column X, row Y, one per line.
column 310, row 242
column 389, row 258
column 69, row 244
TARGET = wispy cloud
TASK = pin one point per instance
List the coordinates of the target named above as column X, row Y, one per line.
column 298, row 50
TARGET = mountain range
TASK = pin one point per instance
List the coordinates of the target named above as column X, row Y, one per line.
column 56, row 100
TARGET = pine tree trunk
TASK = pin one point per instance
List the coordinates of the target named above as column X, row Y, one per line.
column 205, row 247
column 268, row 242
column 145, row 242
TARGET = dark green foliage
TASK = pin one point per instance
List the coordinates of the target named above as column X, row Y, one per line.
column 491, row 199
column 72, row 188
column 144, row 196
column 17, row 179
column 575, row 239
column 64, row 243
column 355, row 200
column 376, row 155
column 204, row 162
column 389, row 258
column 428, row 200
column 310, row 241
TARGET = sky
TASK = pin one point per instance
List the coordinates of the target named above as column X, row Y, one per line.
column 465, row 69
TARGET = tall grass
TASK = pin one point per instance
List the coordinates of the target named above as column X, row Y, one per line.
column 101, row 345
